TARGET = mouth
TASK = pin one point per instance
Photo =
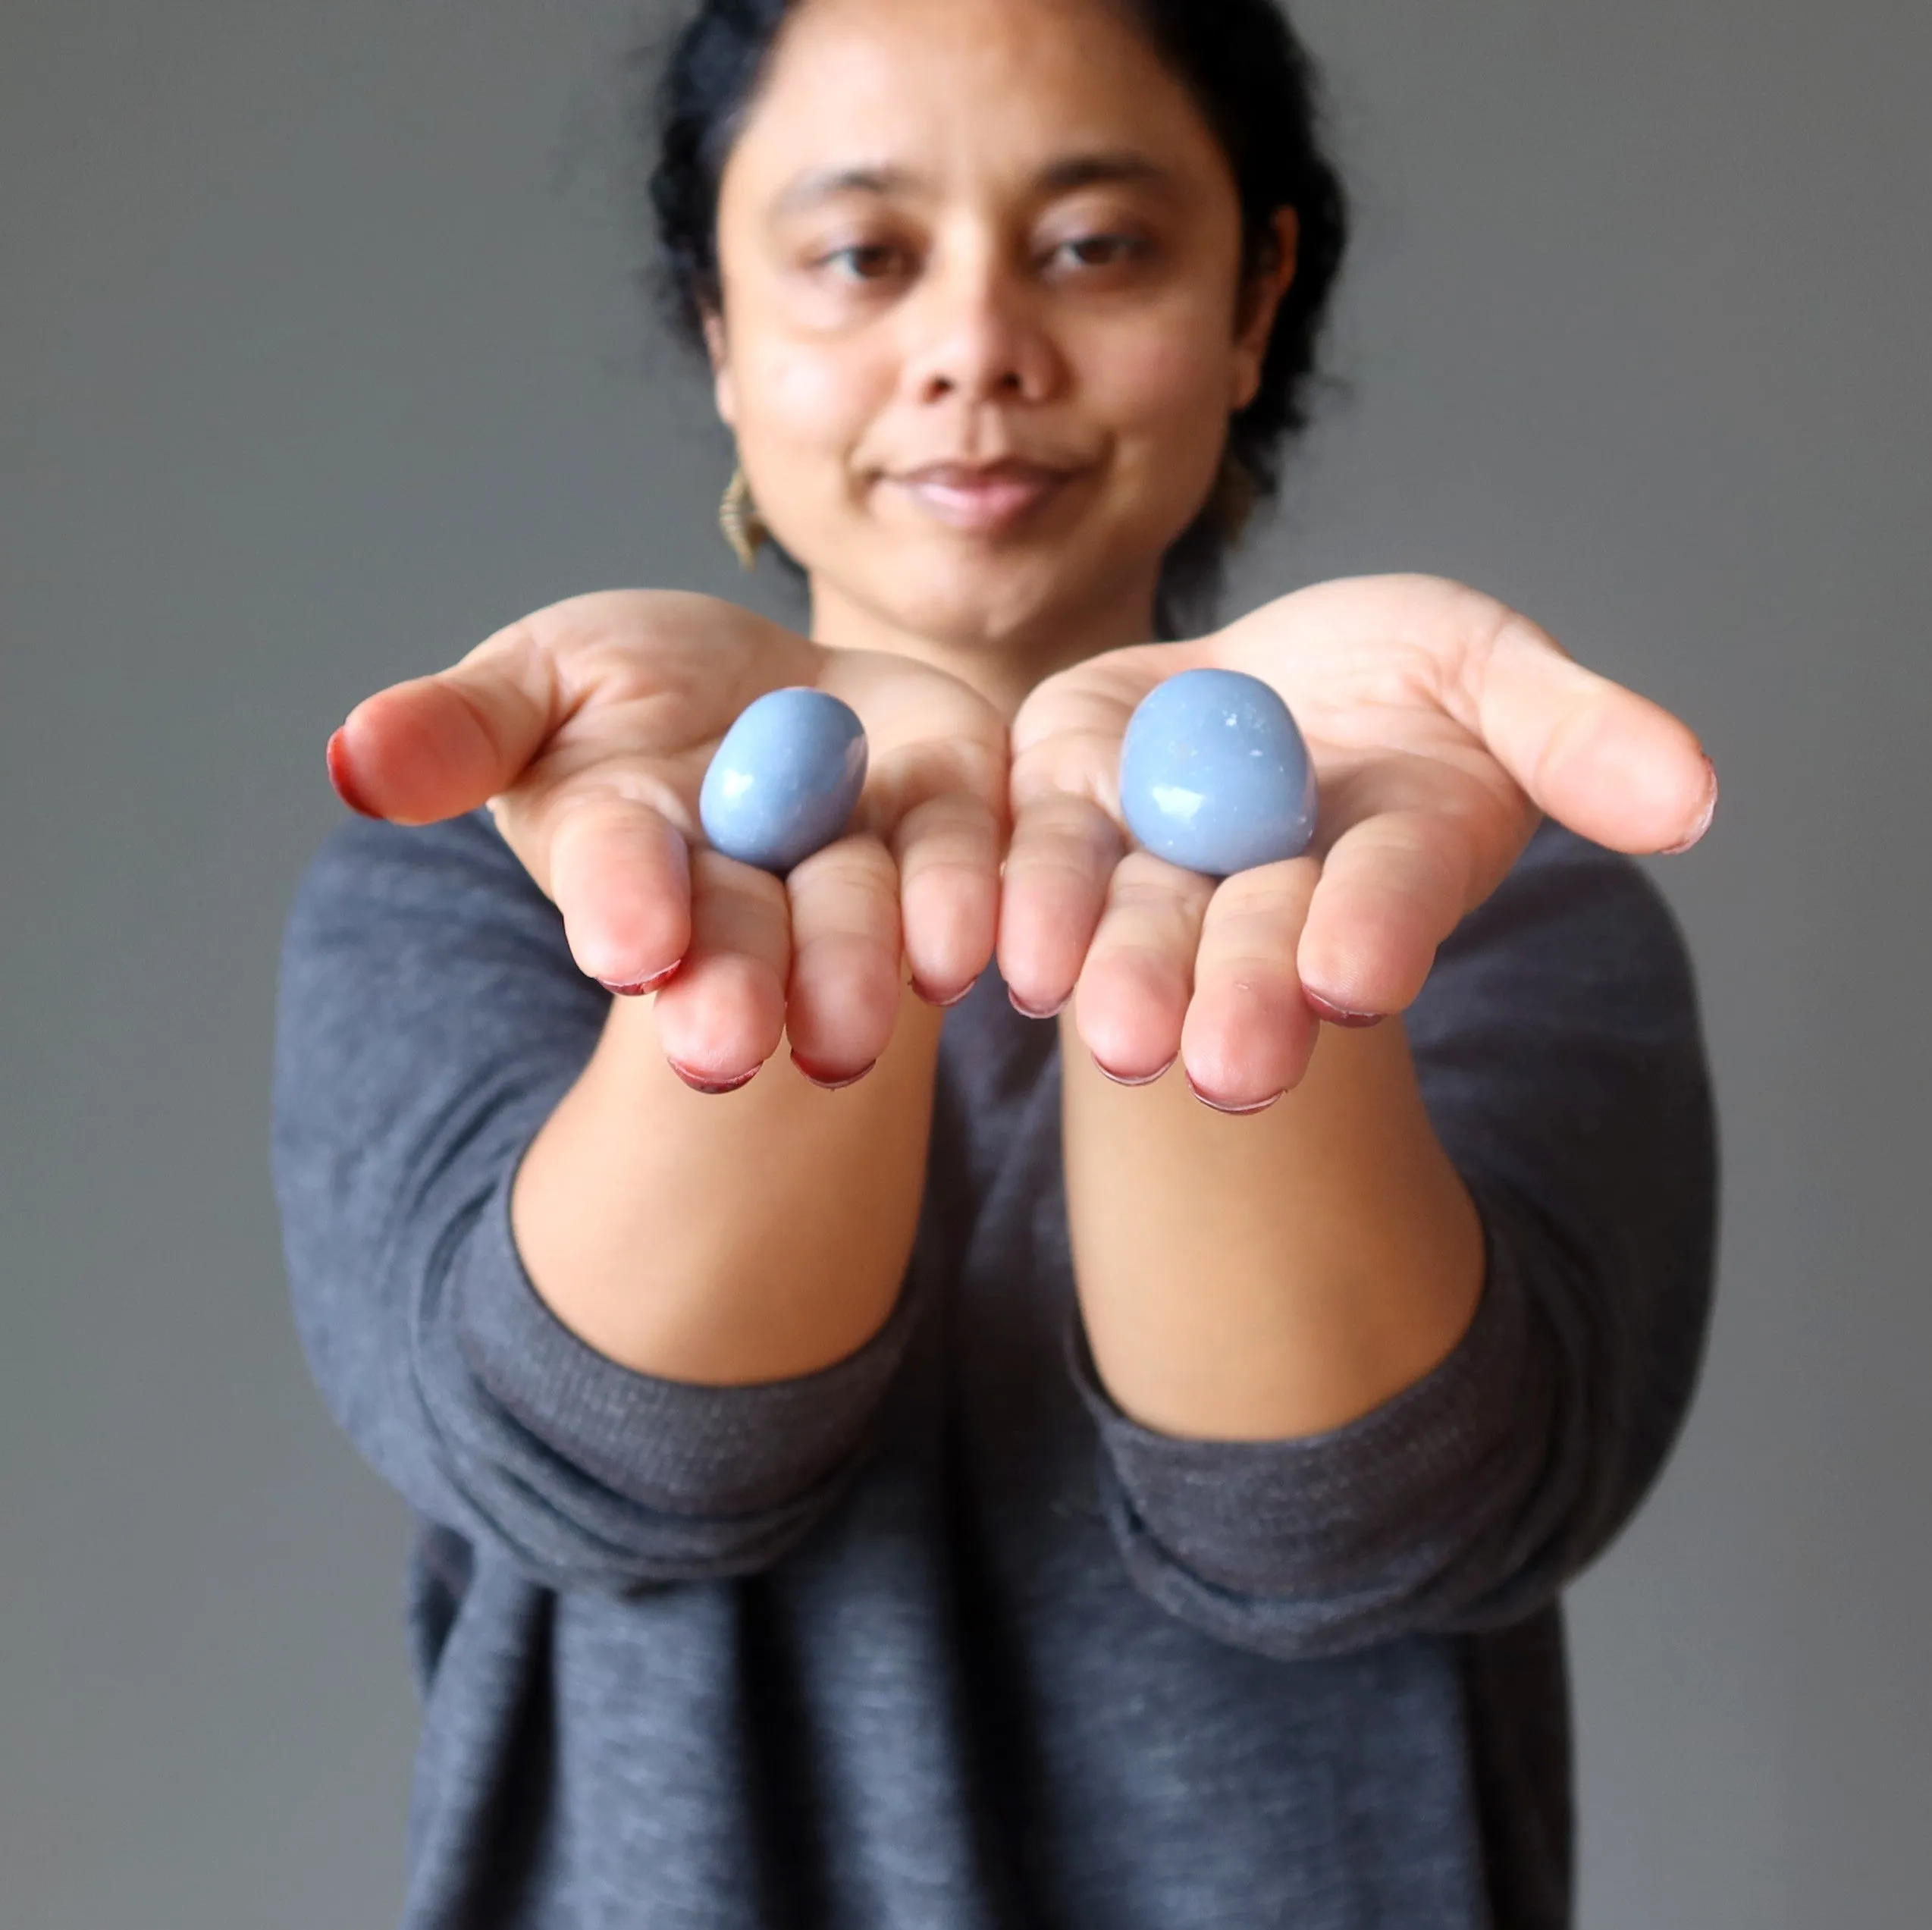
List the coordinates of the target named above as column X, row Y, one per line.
column 983, row 499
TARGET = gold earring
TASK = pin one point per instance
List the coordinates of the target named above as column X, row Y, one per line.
column 738, row 518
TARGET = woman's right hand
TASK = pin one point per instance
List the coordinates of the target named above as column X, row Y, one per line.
column 587, row 729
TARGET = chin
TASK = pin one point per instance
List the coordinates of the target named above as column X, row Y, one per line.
column 982, row 623
column 995, row 600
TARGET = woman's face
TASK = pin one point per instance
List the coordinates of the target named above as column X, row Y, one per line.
column 983, row 321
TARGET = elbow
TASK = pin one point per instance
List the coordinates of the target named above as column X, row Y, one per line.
column 1295, row 1599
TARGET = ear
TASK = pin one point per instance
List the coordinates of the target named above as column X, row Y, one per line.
column 1261, row 298
column 724, row 393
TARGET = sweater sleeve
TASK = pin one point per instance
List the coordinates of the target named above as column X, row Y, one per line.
column 429, row 1018
column 1559, row 1051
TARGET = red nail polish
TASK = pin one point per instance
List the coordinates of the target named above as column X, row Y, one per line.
column 337, row 758
column 1027, row 1012
column 698, row 1083
column 1222, row 1105
column 1337, row 1016
column 830, row 1081
column 919, row 991
column 1143, row 1079
column 643, row 985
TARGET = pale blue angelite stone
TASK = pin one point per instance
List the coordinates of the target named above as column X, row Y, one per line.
column 783, row 783
column 1214, row 775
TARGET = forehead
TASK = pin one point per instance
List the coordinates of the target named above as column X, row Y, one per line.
column 920, row 92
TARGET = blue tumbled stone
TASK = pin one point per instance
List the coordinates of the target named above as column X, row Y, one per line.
column 782, row 783
column 1214, row 774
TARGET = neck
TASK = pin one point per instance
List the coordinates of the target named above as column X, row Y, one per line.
column 1002, row 668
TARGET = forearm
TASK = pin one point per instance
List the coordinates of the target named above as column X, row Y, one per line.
column 1272, row 1276
column 733, row 1238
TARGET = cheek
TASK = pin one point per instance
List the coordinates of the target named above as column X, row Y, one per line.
column 815, row 399
column 1164, row 394
column 1165, row 382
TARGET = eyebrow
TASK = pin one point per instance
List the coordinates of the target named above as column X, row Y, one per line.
column 1100, row 168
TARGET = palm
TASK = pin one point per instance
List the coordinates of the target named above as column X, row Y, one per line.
column 1441, row 726
column 587, row 728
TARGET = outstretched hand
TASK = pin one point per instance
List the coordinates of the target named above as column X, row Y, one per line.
column 587, row 729
column 1441, row 725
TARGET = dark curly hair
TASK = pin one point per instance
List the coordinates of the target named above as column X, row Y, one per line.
column 1258, row 89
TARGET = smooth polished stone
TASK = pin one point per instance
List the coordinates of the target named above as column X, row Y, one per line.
column 782, row 783
column 1214, row 774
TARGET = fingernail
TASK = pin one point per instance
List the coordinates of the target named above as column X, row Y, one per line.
column 830, row 1081
column 337, row 758
column 1145, row 1078
column 1027, row 1012
column 1338, row 1015
column 642, row 985
column 1222, row 1105
column 919, row 991
column 698, row 1083
column 1703, row 823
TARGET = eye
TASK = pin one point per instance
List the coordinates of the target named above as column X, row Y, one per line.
column 1100, row 250
column 863, row 261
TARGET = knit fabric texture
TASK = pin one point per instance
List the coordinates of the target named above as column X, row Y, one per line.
column 939, row 1636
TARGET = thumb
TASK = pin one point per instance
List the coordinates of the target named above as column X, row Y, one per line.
column 434, row 747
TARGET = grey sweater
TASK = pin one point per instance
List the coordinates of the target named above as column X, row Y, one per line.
column 938, row 1636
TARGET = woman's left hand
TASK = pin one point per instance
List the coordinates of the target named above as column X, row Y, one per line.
column 1441, row 724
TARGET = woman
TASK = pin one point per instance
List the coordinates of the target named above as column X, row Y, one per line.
column 973, row 1474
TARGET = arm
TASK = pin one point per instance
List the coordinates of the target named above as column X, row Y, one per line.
column 625, row 1331
column 1558, row 1053
column 430, row 1022
column 1354, row 1454
column 731, row 1239
column 1346, row 1254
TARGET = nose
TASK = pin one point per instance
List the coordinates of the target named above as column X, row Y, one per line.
column 976, row 333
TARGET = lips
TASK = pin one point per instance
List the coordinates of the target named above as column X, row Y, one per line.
column 983, row 499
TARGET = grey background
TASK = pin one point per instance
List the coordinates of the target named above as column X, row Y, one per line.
column 319, row 359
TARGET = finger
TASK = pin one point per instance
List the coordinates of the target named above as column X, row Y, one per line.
column 947, row 854
column 1065, row 802
column 1605, row 760
column 1249, row 1032
column 615, row 869
column 1134, row 989
column 1392, row 888
column 936, row 796
column 680, row 666
column 433, row 747
column 1058, row 867
column 844, row 990
column 722, row 1014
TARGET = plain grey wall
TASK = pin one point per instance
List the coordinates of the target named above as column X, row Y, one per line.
column 319, row 359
